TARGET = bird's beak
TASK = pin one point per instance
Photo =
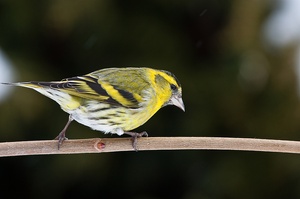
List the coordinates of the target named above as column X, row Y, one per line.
column 177, row 101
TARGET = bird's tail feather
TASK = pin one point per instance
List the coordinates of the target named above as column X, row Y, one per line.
column 66, row 101
column 31, row 85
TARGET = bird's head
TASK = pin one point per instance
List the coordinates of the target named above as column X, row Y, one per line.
column 169, row 89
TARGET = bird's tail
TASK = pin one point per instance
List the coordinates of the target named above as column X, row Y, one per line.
column 31, row 85
column 51, row 90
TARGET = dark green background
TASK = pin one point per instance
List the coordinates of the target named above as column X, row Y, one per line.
column 207, row 44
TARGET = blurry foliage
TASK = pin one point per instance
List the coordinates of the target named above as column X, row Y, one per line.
column 232, row 86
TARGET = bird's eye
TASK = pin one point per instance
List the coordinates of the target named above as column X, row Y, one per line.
column 173, row 87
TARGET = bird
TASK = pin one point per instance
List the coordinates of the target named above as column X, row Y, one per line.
column 112, row 100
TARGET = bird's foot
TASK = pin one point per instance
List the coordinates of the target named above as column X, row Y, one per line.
column 62, row 135
column 61, row 138
column 135, row 136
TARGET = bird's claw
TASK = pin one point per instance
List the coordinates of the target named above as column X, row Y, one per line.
column 135, row 136
column 61, row 138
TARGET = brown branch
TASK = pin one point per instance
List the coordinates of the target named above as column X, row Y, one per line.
column 101, row 145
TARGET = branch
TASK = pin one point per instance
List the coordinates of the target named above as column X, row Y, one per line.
column 102, row 145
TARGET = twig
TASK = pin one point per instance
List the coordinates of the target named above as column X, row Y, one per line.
column 97, row 145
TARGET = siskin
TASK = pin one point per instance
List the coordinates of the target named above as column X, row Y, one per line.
column 112, row 100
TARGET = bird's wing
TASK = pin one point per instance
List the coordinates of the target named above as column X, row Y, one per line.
column 115, row 87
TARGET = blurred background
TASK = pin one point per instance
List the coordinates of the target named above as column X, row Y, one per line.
column 238, row 63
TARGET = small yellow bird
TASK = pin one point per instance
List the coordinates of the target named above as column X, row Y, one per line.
column 112, row 100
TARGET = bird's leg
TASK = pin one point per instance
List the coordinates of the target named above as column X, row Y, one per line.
column 62, row 135
column 135, row 136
